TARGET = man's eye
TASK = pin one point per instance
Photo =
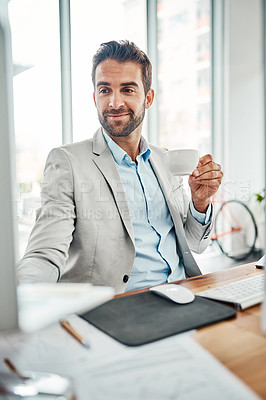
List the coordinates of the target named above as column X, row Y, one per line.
column 103, row 91
column 128, row 90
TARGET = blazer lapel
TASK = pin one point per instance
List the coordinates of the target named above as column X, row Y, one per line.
column 103, row 158
column 191, row 267
column 166, row 185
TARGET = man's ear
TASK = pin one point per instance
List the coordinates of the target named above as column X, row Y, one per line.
column 94, row 99
column 149, row 98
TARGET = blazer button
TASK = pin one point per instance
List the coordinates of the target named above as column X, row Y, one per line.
column 125, row 278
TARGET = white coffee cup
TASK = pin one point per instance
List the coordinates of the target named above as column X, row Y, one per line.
column 182, row 161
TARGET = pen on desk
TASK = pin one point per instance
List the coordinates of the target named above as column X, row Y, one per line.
column 66, row 325
column 13, row 369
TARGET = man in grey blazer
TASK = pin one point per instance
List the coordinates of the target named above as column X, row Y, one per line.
column 112, row 213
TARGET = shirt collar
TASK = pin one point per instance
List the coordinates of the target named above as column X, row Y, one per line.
column 120, row 156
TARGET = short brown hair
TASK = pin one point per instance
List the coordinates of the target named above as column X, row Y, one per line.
column 123, row 51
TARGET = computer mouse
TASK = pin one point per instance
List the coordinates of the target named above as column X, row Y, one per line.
column 177, row 293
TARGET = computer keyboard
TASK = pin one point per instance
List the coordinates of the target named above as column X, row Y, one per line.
column 243, row 294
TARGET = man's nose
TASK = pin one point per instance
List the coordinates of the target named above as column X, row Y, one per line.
column 116, row 100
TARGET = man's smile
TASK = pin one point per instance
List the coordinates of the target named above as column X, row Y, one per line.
column 117, row 116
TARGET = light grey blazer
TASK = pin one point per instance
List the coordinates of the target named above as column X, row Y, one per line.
column 83, row 231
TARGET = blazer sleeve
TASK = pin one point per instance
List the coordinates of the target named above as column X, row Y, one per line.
column 47, row 251
column 198, row 235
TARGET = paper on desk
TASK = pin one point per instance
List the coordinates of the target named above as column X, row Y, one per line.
column 174, row 368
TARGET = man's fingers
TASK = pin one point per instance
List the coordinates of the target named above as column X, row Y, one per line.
column 209, row 167
column 206, row 174
column 205, row 159
column 206, row 179
column 206, row 165
column 213, row 184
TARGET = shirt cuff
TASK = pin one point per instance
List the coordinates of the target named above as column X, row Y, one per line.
column 202, row 218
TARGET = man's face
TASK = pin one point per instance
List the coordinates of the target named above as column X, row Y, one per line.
column 119, row 97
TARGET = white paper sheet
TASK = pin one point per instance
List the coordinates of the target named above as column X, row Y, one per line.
column 174, row 368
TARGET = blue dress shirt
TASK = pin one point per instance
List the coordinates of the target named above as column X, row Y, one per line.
column 156, row 260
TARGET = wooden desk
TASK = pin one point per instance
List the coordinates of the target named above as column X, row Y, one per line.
column 238, row 343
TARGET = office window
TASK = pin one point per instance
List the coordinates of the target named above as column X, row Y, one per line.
column 184, row 78
column 37, row 99
column 184, row 74
column 93, row 23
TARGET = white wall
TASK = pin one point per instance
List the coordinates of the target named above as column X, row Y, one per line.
column 243, row 159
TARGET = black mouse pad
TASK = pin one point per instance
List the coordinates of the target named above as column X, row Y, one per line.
column 145, row 317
